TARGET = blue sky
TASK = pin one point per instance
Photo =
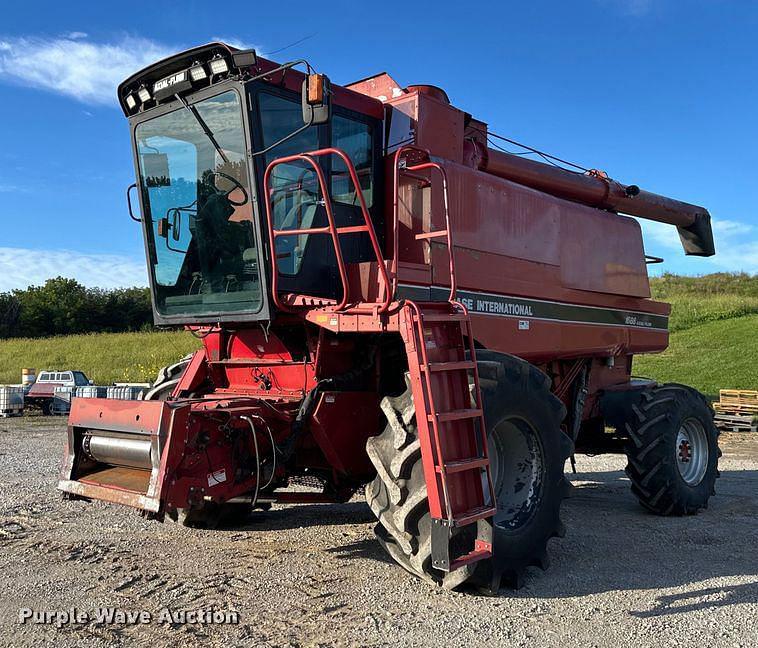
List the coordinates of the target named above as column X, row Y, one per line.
column 659, row 93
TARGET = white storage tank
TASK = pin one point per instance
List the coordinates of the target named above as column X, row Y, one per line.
column 62, row 400
column 125, row 392
column 11, row 401
column 91, row 391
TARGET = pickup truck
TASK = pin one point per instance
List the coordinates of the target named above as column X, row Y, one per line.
column 40, row 394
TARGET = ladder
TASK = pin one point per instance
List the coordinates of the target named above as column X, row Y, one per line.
column 449, row 415
column 451, row 429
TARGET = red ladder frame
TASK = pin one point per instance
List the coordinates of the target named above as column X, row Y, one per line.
column 331, row 229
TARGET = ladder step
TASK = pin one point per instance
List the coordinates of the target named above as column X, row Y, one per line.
column 431, row 235
column 450, row 366
column 444, row 317
column 481, row 551
column 464, row 464
column 351, row 229
column 456, row 415
column 472, row 515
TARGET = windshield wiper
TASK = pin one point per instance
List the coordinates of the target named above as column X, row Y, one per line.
column 208, row 132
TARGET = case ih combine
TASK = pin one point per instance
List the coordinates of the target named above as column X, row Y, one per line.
column 385, row 301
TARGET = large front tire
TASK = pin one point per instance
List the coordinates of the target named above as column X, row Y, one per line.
column 528, row 451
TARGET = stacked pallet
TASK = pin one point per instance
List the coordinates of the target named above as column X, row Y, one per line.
column 737, row 410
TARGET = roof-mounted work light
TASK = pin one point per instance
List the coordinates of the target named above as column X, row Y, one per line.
column 244, row 58
column 131, row 101
column 197, row 71
column 144, row 94
column 218, row 65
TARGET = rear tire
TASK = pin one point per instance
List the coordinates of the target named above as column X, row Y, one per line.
column 523, row 416
column 672, row 450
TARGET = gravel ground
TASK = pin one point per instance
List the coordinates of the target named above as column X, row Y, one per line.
column 314, row 576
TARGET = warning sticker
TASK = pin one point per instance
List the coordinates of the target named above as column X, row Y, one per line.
column 217, row 477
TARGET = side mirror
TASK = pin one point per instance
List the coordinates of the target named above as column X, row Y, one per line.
column 316, row 99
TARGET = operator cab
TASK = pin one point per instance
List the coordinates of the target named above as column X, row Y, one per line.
column 205, row 126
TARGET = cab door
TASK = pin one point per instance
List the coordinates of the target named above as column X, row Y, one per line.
column 307, row 263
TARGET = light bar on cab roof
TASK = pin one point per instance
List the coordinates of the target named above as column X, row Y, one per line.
column 219, row 65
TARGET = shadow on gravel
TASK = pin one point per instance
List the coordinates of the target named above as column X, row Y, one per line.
column 716, row 597
column 308, row 515
column 613, row 544
column 368, row 548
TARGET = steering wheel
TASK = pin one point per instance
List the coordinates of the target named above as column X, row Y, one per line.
column 235, row 185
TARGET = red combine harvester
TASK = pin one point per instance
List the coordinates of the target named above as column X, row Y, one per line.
column 385, row 301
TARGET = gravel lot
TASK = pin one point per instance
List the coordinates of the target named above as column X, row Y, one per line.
column 314, row 576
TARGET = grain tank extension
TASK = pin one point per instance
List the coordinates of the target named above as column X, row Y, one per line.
column 385, row 303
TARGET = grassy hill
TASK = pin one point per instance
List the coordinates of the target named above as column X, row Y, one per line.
column 714, row 341
column 714, row 332
column 710, row 298
column 104, row 357
column 721, row 354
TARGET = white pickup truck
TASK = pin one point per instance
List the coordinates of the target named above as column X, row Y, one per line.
column 41, row 393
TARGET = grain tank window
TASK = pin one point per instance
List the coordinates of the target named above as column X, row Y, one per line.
column 353, row 137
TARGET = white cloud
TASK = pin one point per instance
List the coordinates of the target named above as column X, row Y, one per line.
column 22, row 267
column 736, row 244
column 74, row 66
column 656, row 234
column 234, row 42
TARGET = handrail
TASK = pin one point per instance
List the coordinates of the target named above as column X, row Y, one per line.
column 426, row 235
column 331, row 229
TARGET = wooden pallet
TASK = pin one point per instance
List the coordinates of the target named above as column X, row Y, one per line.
column 737, row 400
column 736, row 423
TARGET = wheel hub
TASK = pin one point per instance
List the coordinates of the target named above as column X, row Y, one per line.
column 692, row 451
column 518, row 468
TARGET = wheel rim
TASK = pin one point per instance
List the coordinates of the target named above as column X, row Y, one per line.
column 518, row 469
column 692, row 451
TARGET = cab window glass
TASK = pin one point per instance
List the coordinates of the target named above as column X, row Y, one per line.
column 204, row 256
column 353, row 137
column 295, row 190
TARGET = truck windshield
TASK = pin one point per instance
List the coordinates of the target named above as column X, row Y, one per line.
column 202, row 249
